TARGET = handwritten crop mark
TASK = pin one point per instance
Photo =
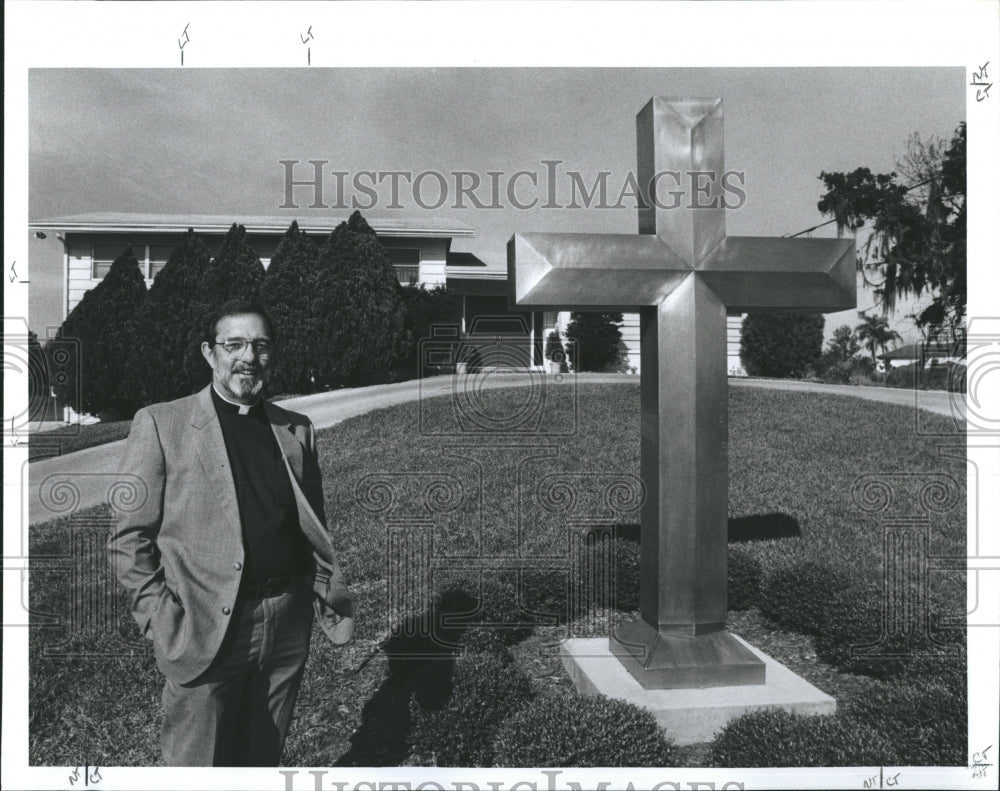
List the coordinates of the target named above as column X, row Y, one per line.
column 979, row 82
column 979, row 763
column 88, row 776
column 882, row 780
column 184, row 41
column 305, row 40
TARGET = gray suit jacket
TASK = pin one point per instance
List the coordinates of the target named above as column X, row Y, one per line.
column 180, row 553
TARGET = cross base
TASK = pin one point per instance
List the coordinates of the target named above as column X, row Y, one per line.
column 664, row 661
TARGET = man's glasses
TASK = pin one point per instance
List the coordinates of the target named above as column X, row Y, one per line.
column 235, row 346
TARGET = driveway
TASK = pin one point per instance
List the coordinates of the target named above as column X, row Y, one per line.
column 86, row 478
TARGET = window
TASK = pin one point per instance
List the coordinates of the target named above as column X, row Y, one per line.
column 406, row 260
column 157, row 258
column 104, row 256
column 152, row 257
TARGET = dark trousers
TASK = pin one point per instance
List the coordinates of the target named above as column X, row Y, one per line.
column 238, row 711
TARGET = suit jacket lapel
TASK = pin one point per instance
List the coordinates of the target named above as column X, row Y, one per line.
column 287, row 441
column 291, row 449
column 211, row 447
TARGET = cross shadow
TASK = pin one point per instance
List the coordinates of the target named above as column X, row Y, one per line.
column 758, row 527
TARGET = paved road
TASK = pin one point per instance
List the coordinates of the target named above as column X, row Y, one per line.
column 82, row 479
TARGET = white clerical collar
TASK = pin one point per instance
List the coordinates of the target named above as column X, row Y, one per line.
column 244, row 409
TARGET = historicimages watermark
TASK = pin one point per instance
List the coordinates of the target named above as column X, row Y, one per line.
column 548, row 186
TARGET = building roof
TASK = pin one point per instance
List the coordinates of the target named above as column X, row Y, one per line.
column 129, row 222
column 469, row 266
column 920, row 351
column 464, row 259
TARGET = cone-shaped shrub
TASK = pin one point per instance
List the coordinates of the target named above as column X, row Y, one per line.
column 235, row 273
column 165, row 324
column 99, row 332
column 287, row 293
column 357, row 306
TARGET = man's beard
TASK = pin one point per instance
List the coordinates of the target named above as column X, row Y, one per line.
column 245, row 386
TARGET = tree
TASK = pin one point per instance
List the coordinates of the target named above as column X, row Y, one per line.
column 595, row 341
column 165, row 324
column 357, row 306
column 286, row 293
column 99, row 332
column 235, row 273
column 781, row 345
column 916, row 244
column 423, row 308
column 38, row 379
column 839, row 360
column 874, row 333
column 843, row 345
column 554, row 351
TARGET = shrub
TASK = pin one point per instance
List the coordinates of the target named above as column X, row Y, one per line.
column 926, row 722
column 486, row 688
column 497, row 597
column 101, row 332
column 840, row 349
column 357, row 306
column 596, row 341
column 489, row 639
column 554, row 351
column 902, row 376
column 779, row 738
column 844, row 610
column 853, row 620
column 235, row 273
column 285, row 293
column 781, row 344
column 797, row 594
column 627, row 555
column 38, row 379
column 165, row 324
column 489, row 604
column 565, row 729
column 744, row 579
column 947, row 376
column 545, row 593
column 845, row 371
column 423, row 308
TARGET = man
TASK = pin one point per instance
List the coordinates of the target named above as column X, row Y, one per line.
column 228, row 557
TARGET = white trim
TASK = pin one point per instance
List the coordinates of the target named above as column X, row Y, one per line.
column 65, row 303
column 143, row 223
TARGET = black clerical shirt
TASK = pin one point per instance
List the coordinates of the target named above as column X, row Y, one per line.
column 273, row 543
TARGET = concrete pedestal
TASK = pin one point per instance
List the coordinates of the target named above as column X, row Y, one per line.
column 659, row 661
column 689, row 716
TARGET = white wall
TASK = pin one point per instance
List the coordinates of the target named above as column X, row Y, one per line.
column 630, row 336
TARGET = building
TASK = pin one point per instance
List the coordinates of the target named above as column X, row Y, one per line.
column 924, row 354
column 420, row 250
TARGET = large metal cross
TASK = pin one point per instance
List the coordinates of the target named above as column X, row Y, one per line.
column 682, row 273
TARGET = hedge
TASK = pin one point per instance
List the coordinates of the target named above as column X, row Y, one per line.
column 485, row 688
column 561, row 728
column 778, row 738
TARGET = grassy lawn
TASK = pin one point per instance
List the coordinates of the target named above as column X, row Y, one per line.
column 60, row 441
column 467, row 511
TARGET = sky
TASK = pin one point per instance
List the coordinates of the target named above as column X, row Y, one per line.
column 210, row 141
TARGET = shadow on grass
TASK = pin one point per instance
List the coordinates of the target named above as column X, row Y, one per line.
column 758, row 527
column 421, row 654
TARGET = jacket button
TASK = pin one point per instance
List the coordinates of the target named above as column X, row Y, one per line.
column 237, row 565
column 226, row 611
